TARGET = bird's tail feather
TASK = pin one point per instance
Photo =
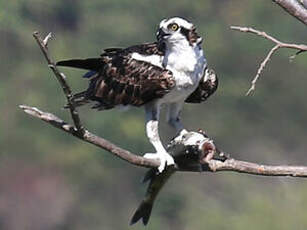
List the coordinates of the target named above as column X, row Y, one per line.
column 143, row 212
column 89, row 63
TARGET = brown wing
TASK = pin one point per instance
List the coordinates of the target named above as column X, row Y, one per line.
column 118, row 79
column 126, row 81
column 205, row 88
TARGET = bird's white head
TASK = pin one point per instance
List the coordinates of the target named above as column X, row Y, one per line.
column 177, row 30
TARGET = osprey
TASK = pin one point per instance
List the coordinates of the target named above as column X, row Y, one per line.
column 171, row 71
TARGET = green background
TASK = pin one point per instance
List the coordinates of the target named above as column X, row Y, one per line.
column 50, row 180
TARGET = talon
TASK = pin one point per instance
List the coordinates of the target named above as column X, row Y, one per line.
column 165, row 159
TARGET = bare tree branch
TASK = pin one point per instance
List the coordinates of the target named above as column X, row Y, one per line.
column 262, row 65
column 278, row 44
column 192, row 152
column 90, row 137
column 258, row 169
column 43, row 43
column 211, row 166
column 297, row 8
column 304, row 3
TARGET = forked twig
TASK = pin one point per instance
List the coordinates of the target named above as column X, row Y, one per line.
column 278, row 44
column 42, row 43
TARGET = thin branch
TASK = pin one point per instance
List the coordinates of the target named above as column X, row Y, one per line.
column 278, row 44
column 258, row 169
column 43, row 43
column 90, row 137
column 212, row 166
column 262, row 65
column 297, row 8
column 46, row 40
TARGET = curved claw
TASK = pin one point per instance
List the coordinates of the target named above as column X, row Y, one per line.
column 165, row 159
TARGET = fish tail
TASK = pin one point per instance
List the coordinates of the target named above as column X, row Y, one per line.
column 143, row 212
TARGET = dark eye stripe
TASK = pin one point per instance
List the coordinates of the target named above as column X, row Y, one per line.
column 185, row 32
column 191, row 35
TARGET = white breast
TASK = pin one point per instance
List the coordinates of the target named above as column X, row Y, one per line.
column 187, row 66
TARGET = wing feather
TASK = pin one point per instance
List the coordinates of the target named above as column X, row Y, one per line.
column 89, row 63
column 123, row 80
column 207, row 86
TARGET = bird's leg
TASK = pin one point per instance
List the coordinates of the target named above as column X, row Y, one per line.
column 173, row 119
column 152, row 116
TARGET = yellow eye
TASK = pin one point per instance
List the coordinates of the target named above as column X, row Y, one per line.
column 173, row 27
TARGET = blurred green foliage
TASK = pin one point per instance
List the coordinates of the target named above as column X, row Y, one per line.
column 93, row 189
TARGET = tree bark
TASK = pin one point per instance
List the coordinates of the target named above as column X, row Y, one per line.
column 295, row 8
column 188, row 152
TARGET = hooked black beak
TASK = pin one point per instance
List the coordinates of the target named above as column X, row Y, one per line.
column 161, row 35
